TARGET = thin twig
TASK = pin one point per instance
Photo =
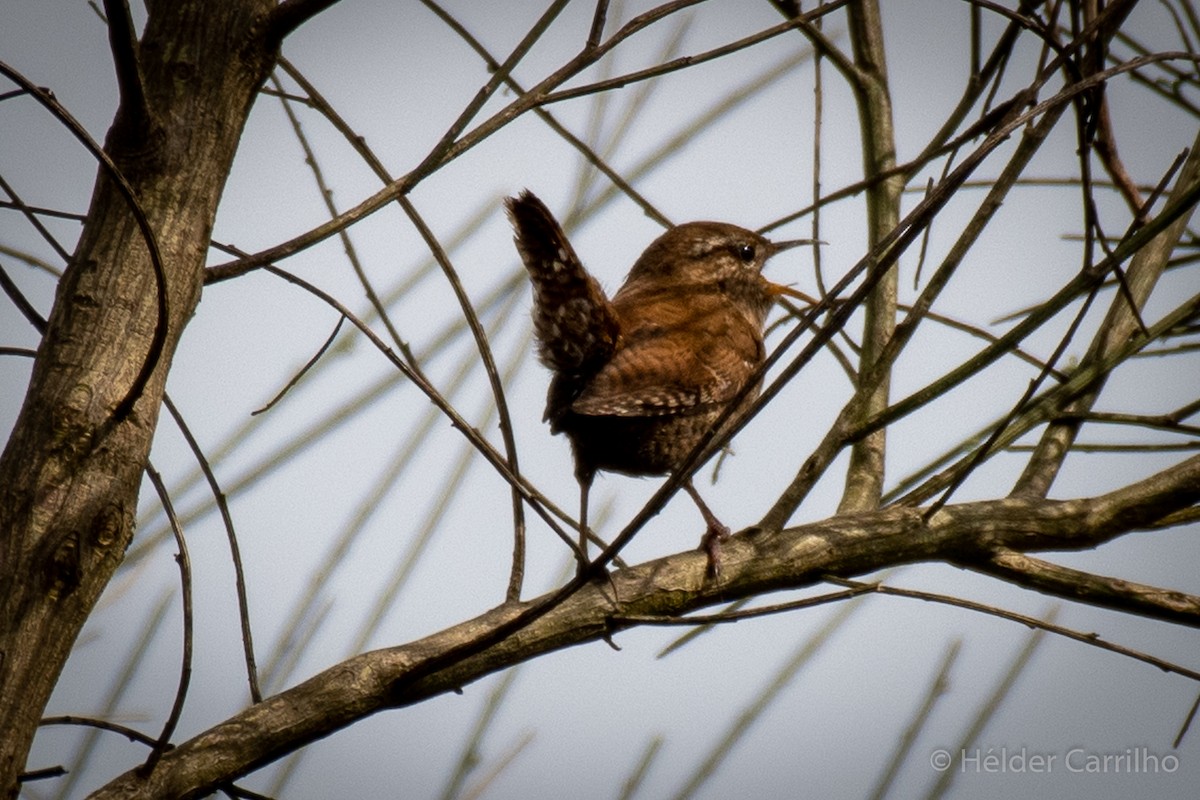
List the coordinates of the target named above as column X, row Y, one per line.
column 1091, row 639
column 468, row 757
column 295, row 379
column 582, row 147
column 235, row 550
column 101, row 724
column 1080, row 283
column 477, row 440
column 817, row 134
column 599, row 17
column 1122, row 321
column 739, row 615
column 31, row 314
column 185, row 581
column 122, row 681
column 499, row 303
column 1047, row 405
column 32, row 216
column 372, row 502
column 318, row 101
column 684, row 62
column 45, row 773
column 1187, row 723
column 1164, row 422
column 295, row 643
column 310, row 159
column 517, row 572
column 31, row 259
column 638, row 775
column 983, row 451
column 504, row 762
column 497, row 77
column 700, row 629
column 451, row 490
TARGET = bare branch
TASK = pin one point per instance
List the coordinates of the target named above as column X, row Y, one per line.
column 473, row 436
column 689, row 61
column 295, row 379
column 231, row 536
column 865, row 473
column 489, row 365
column 1098, row 590
column 21, row 302
column 134, row 113
column 675, row 585
column 290, row 15
column 101, row 724
column 31, row 214
column 185, row 580
column 584, row 149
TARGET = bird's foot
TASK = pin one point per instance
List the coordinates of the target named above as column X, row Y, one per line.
column 710, row 543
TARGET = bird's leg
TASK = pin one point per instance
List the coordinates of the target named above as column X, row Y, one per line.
column 585, row 486
column 716, row 532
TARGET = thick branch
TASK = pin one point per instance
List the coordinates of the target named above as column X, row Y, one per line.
column 134, row 115
column 1098, row 590
column 864, row 477
column 752, row 564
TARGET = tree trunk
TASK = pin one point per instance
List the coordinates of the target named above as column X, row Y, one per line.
column 70, row 474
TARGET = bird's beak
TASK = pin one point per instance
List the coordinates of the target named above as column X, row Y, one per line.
column 788, row 244
column 777, row 289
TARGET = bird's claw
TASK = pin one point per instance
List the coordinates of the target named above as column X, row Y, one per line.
column 710, row 543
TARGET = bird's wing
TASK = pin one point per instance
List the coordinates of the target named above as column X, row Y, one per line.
column 673, row 372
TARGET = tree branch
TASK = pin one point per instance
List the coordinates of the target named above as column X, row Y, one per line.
column 1098, row 590
column 752, row 564
column 134, row 113
column 865, row 473
column 290, row 15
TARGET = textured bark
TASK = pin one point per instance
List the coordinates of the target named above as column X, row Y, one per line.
column 70, row 474
column 865, row 475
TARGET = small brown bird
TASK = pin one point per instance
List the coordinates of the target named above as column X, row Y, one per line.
column 639, row 379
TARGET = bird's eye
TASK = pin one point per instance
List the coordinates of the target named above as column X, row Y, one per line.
column 746, row 253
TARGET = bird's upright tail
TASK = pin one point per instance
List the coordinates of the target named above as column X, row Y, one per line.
column 575, row 324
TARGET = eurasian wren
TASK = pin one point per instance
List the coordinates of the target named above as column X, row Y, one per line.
column 639, row 379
